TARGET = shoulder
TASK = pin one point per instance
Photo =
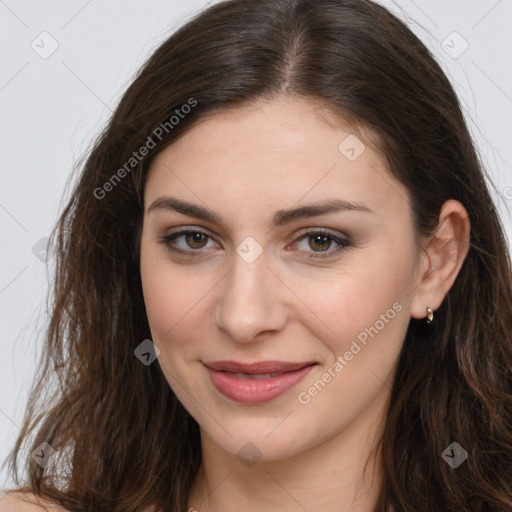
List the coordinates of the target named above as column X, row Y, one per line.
column 17, row 501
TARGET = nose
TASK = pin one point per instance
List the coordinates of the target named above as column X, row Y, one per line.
column 251, row 301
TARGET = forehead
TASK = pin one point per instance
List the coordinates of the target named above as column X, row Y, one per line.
column 281, row 151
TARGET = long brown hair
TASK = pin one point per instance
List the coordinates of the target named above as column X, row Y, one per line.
column 123, row 441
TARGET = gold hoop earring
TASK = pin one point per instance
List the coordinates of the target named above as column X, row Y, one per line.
column 430, row 315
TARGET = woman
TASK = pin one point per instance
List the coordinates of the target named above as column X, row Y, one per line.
column 282, row 283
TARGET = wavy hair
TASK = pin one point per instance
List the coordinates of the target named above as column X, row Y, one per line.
column 122, row 440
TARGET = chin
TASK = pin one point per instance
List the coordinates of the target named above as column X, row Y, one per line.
column 263, row 439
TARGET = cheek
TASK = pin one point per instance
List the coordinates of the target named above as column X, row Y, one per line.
column 167, row 297
column 170, row 307
column 368, row 301
column 176, row 301
column 170, row 311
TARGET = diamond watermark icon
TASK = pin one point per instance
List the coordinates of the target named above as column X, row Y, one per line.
column 351, row 147
column 249, row 250
column 44, row 45
column 455, row 45
column 249, row 455
column 147, row 352
column 455, row 455
column 42, row 250
column 42, row 454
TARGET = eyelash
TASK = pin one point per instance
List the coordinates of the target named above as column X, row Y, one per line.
column 342, row 242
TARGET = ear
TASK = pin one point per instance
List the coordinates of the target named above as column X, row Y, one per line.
column 441, row 260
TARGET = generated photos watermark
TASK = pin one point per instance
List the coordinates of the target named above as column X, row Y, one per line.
column 305, row 397
column 138, row 156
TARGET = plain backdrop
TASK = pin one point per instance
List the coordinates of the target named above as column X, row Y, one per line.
column 64, row 66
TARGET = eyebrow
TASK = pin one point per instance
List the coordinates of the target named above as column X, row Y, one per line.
column 280, row 218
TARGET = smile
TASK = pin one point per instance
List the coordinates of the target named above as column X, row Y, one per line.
column 254, row 383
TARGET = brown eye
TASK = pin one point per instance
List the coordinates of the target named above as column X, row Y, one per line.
column 187, row 242
column 196, row 240
column 320, row 242
column 316, row 242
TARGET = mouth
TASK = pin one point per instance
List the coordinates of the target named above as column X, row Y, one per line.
column 257, row 382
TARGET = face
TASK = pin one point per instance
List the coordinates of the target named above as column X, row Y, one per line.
column 317, row 298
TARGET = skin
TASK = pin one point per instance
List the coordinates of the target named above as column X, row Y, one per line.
column 246, row 164
column 16, row 501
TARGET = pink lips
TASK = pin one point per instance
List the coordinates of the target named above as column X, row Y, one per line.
column 253, row 383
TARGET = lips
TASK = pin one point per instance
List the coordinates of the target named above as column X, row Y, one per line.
column 258, row 368
column 256, row 382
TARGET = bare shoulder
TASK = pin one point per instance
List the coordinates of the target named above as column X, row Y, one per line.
column 17, row 501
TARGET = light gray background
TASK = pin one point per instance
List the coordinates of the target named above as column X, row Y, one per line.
column 52, row 107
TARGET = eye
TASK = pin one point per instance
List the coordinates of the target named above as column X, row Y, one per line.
column 322, row 240
column 193, row 240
